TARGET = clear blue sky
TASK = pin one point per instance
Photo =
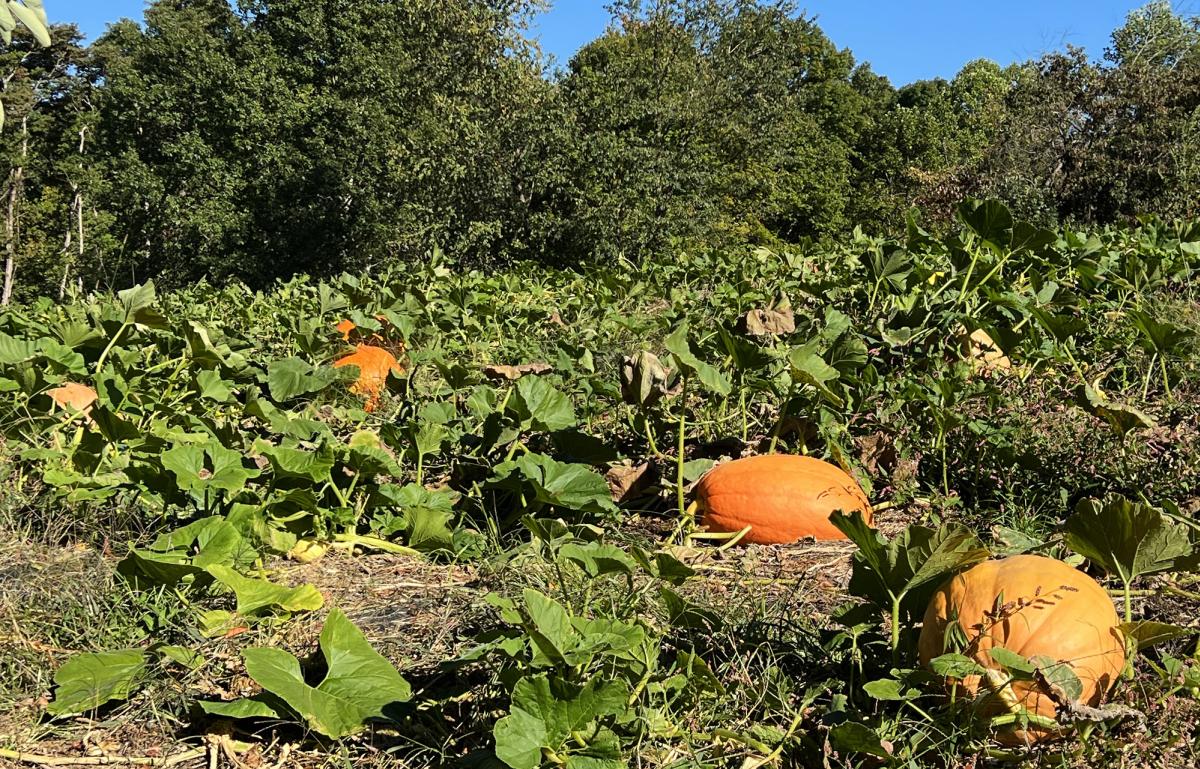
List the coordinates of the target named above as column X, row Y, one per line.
column 904, row 40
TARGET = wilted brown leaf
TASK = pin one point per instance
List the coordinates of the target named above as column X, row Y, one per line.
column 628, row 481
column 767, row 322
column 877, row 452
column 512, row 373
column 644, row 379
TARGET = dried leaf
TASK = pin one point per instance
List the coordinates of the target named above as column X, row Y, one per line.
column 513, row 373
column 629, row 481
column 767, row 322
column 877, row 452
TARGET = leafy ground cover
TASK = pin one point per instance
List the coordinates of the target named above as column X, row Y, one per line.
column 482, row 553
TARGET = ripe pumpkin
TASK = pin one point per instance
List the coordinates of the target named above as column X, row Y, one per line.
column 1046, row 608
column 782, row 498
column 374, row 364
column 76, row 396
column 345, row 328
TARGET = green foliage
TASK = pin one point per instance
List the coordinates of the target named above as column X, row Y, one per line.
column 87, row 681
column 359, row 684
column 1128, row 539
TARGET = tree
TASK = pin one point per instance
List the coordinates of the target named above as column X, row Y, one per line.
column 44, row 98
column 316, row 136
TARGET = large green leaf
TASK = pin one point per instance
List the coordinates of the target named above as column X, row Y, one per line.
column 358, row 685
column 989, row 219
column 255, row 595
column 808, row 367
column 688, row 362
column 916, row 557
column 1160, row 336
column 223, row 469
column 289, row 462
column 544, row 717
column 292, row 377
column 552, row 633
column 539, row 406
column 1127, row 539
column 87, row 681
column 563, row 485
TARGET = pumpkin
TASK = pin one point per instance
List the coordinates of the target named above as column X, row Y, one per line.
column 782, row 498
column 345, row 328
column 75, row 396
column 1034, row 606
column 374, row 364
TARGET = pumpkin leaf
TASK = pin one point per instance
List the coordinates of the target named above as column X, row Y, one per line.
column 644, row 379
column 989, row 219
column 1059, row 677
column 1160, row 337
column 1146, row 633
column 955, row 666
column 547, row 481
column 1122, row 418
column 546, row 714
column 1127, row 539
column 292, row 377
column 886, row 570
column 255, row 595
column 890, row 690
column 1011, row 661
column 87, row 681
column 358, row 685
column 710, row 377
column 539, row 406
column 853, row 737
column 247, row 707
column 597, row 559
column 808, row 367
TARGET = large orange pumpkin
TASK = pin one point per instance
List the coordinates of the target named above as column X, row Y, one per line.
column 782, row 498
column 1034, row 606
column 374, row 364
column 76, row 396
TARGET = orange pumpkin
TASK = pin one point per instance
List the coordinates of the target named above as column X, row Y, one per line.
column 1034, row 606
column 374, row 364
column 782, row 498
column 345, row 328
column 76, row 396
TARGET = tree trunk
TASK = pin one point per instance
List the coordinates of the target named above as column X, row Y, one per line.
column 11, row 229
column 77, row 213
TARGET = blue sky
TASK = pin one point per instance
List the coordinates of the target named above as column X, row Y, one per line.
column 904, row 40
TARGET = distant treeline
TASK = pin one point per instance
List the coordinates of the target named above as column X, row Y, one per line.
column 267, row 138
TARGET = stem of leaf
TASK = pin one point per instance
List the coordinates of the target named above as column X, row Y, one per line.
column 1149, row 374
column 679, row 481
column 111, row 344
column 896, row 628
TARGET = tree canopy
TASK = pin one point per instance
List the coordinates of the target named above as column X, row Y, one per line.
column 262, row 139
